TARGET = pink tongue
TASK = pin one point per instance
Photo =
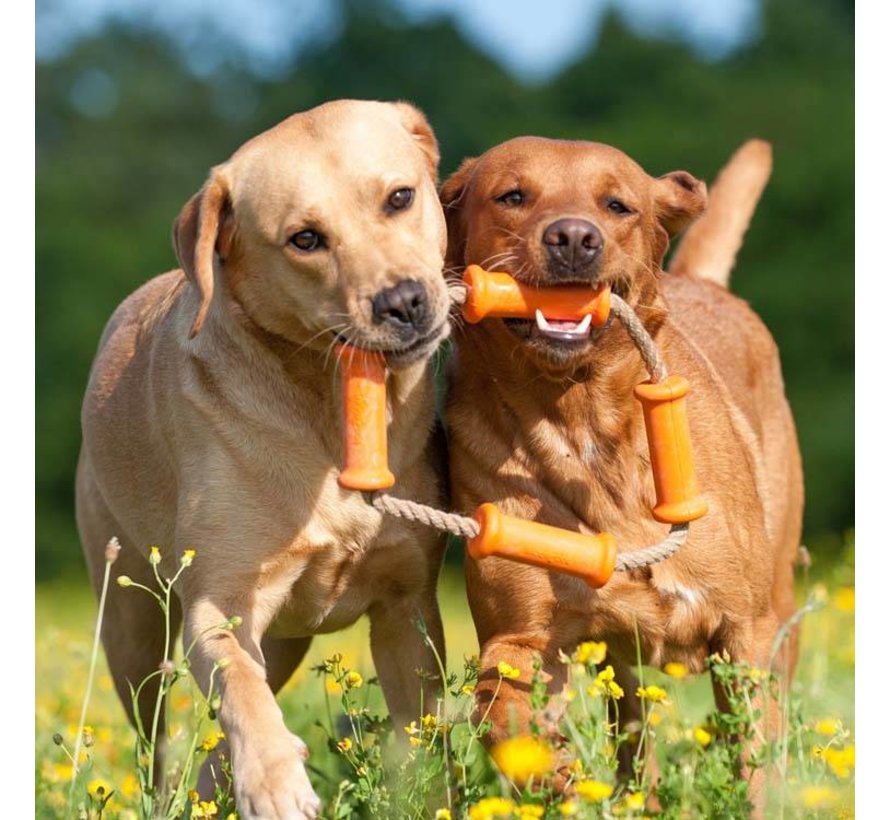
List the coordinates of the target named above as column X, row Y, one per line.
column 560, row 324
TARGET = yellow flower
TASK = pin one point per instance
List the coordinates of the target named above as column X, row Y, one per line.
column 211, row 741
column 653, row 718
column 676, row 670
column 194, row 797
column 569, row 694
column 129, row 785
column 654, row 693
column 466, row 689
column 702, row 736
column 411, row 728
column 818, row 797
column 593, row 790
column 507, row 671
column 94, row 787
column 443, row 814
column 521, row 758
column 568, row 809
column 345, row 744
column 633, row 802
column 845, row 599
column 429, row 722
column 491, row 807
column 530, row 811
column 88, row 737
column 353, row 680
column 56, row 772
column 605, row 684
column 187, row 557
column 590, row 652
column 331, row 686
column 828, row 727
column 205, row 808
column 840, row 761
column 154, row 556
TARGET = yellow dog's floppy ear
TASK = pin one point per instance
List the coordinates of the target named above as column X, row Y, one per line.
column 680, row 199
column 451, row 196
column 416, row 125
column 201, row 230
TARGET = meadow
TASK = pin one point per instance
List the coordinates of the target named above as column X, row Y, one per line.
column 436, row 767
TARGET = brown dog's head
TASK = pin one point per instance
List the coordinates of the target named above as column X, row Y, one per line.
column 554, row 212
column 327, row 227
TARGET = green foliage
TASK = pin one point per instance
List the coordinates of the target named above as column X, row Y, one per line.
column 110, row 182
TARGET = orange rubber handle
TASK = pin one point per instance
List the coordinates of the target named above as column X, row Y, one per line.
column 500, row 296
column 590, row 557
column 363, row 378
column 670, row 451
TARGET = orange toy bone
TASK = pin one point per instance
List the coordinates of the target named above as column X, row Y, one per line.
column 499, row 295
column 670, row 451
column 363, row 378
column 590, row 557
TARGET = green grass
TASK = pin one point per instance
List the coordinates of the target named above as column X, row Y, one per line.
column 374, row 778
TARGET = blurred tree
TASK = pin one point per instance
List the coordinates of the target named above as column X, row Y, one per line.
column 126, row 133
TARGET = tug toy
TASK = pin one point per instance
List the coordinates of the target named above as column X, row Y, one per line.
column 591, row 557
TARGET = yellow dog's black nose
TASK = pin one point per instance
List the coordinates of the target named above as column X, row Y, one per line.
column 404, row 306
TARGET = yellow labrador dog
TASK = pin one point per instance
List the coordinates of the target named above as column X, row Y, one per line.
column 211, row 422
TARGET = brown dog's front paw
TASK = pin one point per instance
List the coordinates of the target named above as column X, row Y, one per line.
column 271, row 782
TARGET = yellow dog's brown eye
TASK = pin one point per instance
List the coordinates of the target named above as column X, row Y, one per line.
column 307, row 240
column 511, row 198
column 399, row 200
column 616, row 206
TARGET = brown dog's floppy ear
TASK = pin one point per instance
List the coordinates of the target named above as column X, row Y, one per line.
column 416, row 125
column 201, row 229
column 680, row 199
column 451, row 196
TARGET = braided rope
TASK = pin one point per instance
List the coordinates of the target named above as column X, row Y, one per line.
column 460, row 525
column 465, row 527
column 640, row 337
column 657, row 552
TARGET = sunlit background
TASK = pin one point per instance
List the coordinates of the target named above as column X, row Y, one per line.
column 135, row 102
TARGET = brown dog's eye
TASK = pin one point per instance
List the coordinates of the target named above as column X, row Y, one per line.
column 511, row 198
column 307, row 240
column 400, row 200
column 616, row 206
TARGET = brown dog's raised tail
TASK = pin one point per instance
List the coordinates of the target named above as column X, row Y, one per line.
column 709, row 248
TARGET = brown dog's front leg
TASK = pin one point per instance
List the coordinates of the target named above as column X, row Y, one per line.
column 267, row 760
column 504, row 700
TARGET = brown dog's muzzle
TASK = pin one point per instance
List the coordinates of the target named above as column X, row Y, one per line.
column 573, row 247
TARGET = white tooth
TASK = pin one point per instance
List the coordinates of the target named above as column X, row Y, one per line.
column 584, row 325
column 542, row 322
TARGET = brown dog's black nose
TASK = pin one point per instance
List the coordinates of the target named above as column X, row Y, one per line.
column 404, row 306
column 573, row 243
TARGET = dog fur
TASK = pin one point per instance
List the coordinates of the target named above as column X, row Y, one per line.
column 210, row 423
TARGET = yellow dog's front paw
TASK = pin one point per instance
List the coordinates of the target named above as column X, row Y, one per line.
column 272, row 784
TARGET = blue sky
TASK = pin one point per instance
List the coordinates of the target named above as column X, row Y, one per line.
column 531, row 38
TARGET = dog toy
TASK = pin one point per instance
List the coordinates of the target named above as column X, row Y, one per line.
column 363, row 380
column 591, row 557
column 499, row 295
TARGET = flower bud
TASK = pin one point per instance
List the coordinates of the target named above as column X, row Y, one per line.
column 112, row 550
